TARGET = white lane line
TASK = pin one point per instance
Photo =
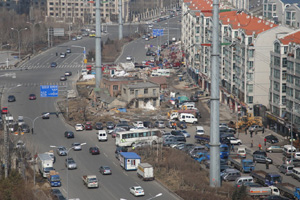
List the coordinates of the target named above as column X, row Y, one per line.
column 64, row 190
column 125, row 173
column 97, row 146
column 115, row 164
column 105, row 155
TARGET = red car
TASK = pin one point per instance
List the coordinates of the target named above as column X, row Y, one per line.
column 32, row 97
column 88, row 126
column 4, row 110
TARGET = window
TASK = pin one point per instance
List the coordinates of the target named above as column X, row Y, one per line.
column 276, row 98
column 283, row 87
column 136, row 93
column 284, row 62
column 298, row 68
column 276, row 86
column 124, row 90
column 297, row 94
column 276, row 73
column 250, row 88
column 298, row 53
column 115, row 87
column 274, row 7
column 290, row 65
column 250, row 99
column 131, row 92
column 154, row 91
column 146, row 91
column 276, row 61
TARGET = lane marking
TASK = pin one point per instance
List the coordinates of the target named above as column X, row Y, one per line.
column 105, row 154
column 125, row 173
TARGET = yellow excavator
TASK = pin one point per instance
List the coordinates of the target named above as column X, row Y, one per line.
column 246, row 121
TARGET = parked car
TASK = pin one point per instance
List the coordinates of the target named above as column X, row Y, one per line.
column 148, row 124
column 182, row 125
column 32, row 97
column 94, row 150
column 79, row 127
column 272, row 139
column 274, row 149
column 138, row 124
column 286, row 169
column 88, row 126
column 98, row 126
column 261, row 159
column 61, row 151
column 110, row 125
column 70, row 163
column 293, row 161
column 260, row 152
column 256, row 128
column 137, row 191
column 105, row 170
column 11, row 98
column 160, row 124
column 76, row 146
column 185, row 133
column 234, row 141
column 69, row 134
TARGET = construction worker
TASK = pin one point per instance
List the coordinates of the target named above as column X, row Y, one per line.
column 259, row 146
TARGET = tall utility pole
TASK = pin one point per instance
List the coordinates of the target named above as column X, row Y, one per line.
column 6, row 149
column 120, row 21
column 98, row 45
column 214, row 172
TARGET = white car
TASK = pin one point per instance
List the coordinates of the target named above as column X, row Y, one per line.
column 137, row 191
column 76, row 146
column 138, row 124
column 63, row 55
column 79, row 127
column 79, row 37
column 129, row 58
column 234, row 140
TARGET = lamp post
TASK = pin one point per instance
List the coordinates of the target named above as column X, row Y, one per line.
column 19, row 38
column 7, row 55
column 52, row 146
column 33, row 25
column 33, row 121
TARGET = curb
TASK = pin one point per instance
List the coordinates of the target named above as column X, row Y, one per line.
column 161, row 184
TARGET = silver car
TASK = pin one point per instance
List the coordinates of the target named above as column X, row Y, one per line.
column 61, row 151
column 105, row 170
column 274, row 149
column 76, row 146
column 70, row 163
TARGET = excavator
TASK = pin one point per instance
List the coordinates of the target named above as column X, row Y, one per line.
column 246, row 121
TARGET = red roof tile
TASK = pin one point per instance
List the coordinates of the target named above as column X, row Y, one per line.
column 291, row 38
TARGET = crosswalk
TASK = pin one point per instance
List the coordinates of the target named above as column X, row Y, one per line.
column 48, row 66
column 33, row 84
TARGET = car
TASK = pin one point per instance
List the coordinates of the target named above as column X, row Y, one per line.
column 110, row 125
column 63, row 55
column 70, row 163
column 94, row 150
column 4, row 110
column 68, row 73
column 98, row 126
column 234, row 141
column 63, row 78
column 116, row 130
column 79, row 37
column 11, row 98
column 256, row 128
column 182, row 125
column 129, row 58
column 88, row 126
column 272, row 139
column 53, row 64
column 79, row 127
column 118, row 150
column 92, row 35
column 69, row 134
column 68, row 50
column 105, row 170
column 20, row 144
column 138, row 124
column 146, row 38
column 258, row 158
column 292, row 161
column 74, row 38
column 57, row 195
column 123, row 126
column 137, row 191
column 61, row 151
column 160, row 124
column 25, row 128
column 274, row 149
column 260, row 152
column 148, row 124
column 149, row 53
column 76, row 146
column 185, row 133
column 45, row 115
column 32, row 97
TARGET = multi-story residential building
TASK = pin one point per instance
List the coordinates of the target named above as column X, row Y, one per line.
column 23, row 6
column 245, row 53
column 138, row 95
column 284, row 11
column 285, row 83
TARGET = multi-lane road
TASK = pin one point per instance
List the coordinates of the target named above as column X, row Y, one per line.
column 37, row 71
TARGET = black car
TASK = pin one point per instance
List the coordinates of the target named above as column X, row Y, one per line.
column 94, row 150
column 182, row 125
column 272, row 139
column 260, row 152
column 110, row 125
column 56, row 194
column 69, row 134
column 180, row 138
column 124, row 126
column 99, row 126
column 11, row 98
column 148, row 124
column 120, row 149
column 25, row 128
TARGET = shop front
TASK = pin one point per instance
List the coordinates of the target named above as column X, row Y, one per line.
column 277, row 124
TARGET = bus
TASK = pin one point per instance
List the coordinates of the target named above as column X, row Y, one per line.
column 128, row 138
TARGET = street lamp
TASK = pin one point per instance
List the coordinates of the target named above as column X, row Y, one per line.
column 52, row 146
column 33, row 25
column 19, row 38
column 7, row 55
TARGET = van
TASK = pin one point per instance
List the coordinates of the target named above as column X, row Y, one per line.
column 286, row 169
column 243, row 179
column 288, row 150
column 188, row 118
column 167, row 141
column 241, row 151
column 102, row 136
column 199, row 130
column 296, row 173
column 230, row 174
column 297, row 155
column 188, row 106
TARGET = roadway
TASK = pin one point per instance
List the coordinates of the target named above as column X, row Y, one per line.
column 37, row 71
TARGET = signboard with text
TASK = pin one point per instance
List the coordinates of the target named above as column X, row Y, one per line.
column 49, row 91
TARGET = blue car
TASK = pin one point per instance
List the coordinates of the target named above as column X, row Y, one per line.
column 185, row 133
column 53, row 64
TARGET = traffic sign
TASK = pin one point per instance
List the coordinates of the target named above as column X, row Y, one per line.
column 49, row 91
column 85, row 61
column 158, row 32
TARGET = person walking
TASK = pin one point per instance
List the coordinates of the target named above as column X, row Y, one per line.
column 267, row 165
column 251, row 133
column 265, row 140
column 251, row 143
column 259, row 146
column 232, row 147
column 246, row 129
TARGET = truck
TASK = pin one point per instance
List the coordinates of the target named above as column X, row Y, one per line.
column 261, row 192
column 244, row 165
column 265, row 178
column 289, row 190
column 174, row 114
column 201, row 156
column 202, row 139
column 145, row 171
column 224, row 150
column 45, row 164
column 90, row 181
column 54, row 179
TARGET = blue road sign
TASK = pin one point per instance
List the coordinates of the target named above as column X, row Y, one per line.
column 49, row 91
column 157, row 32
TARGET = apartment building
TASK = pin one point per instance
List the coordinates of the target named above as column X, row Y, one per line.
column 283, row 11
column 285, row 84
column 246, row 42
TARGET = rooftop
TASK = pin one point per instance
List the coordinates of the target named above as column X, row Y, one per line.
column 142, row 85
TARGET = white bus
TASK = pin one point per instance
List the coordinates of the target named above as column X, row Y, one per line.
column 128, row 138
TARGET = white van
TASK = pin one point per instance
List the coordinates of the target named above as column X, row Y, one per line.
column 102, row 135
column 243, row 179
column 188, row 106
column 296, row 173
column 188, row 118
column 288, row 150
column 241, row 151
column 199, row 130
column 297, row 155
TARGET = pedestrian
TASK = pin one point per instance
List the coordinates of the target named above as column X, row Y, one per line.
column 265, row 140
column 259, row 146
column 251, row 143
column 251, row 133
column 267, row 165
column 232, row 147
column 31, row 130
column 175, row 125
column 246, row 130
